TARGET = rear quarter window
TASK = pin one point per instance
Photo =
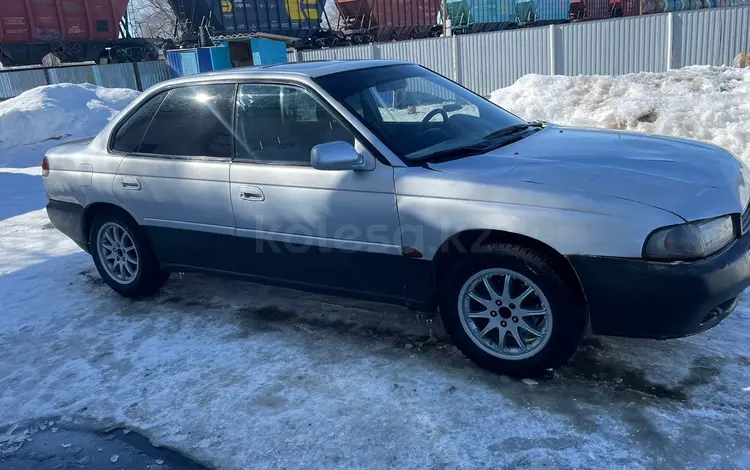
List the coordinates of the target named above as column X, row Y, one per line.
column 130, row 133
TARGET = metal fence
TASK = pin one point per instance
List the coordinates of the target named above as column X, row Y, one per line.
column 487, row 61
column 137, row 76
column 15, row 83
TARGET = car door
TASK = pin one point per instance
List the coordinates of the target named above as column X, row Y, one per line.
column 329, row 231
column 174, row 176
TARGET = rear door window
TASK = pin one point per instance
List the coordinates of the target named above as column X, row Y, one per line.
column 193, row 121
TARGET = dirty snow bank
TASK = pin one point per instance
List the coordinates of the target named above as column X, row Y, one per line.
column 59, row 112
column 703, row 103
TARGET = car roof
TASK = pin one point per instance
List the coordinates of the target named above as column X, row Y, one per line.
column 313, row 69
column 306, row 69
column 316, row 68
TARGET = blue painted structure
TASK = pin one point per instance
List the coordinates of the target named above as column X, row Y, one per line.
column 213, row 58
column 183, row 62
column 266, row 52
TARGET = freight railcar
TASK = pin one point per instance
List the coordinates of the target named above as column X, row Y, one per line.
column 300, row 21
column 662, row 6
column 388, row 20
column 296, row 20
column 600, row 9
column 72, row 30
column 471, row 16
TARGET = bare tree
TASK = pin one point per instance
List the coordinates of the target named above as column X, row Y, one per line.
column 152, row 18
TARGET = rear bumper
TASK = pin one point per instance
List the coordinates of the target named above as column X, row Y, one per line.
column 67, row 217
column 644, row 299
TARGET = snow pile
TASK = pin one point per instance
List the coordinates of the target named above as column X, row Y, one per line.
column 703, row 103
column 58, row 112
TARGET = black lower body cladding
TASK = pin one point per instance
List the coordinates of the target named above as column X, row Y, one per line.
column 67, row 217
column 644, row 299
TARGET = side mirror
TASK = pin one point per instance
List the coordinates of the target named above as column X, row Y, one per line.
column 337, row 156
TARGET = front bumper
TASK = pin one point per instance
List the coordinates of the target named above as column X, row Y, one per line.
column 646, row 299
column 67, row 217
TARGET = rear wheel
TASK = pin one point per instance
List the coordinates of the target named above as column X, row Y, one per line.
column 123, row 256
column 509, row 310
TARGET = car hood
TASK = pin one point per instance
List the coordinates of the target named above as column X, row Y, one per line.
column 691, row 179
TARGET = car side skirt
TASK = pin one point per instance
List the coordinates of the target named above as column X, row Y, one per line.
column 379, row 277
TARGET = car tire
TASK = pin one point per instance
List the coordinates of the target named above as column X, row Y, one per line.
column 557, row 333
column 139, row 279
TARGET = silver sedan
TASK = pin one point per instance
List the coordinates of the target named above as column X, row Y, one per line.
column 385, row 181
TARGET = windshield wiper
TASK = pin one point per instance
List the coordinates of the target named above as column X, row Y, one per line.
column 455, row 152
column 514, row 129
column 487, row 144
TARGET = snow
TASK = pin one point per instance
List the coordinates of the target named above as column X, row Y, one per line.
column 237, row 375
column 703, row 103
column 419, row 113
column 46, row 115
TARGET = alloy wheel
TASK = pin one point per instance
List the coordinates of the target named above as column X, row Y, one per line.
column 505, row 313
column 118, row 253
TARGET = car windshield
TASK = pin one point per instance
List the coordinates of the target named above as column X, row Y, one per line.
column 421, row 115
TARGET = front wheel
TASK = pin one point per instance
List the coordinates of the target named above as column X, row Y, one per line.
column 123, row 256
column 509, row 310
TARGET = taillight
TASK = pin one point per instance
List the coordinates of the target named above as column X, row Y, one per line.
column 45, row 166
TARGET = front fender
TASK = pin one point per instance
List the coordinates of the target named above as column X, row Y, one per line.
column 572, row 222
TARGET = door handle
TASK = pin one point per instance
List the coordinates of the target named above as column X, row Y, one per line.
column 128, row 182
column 251, row 193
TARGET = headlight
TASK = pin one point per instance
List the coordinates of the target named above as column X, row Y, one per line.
column 692, row 240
